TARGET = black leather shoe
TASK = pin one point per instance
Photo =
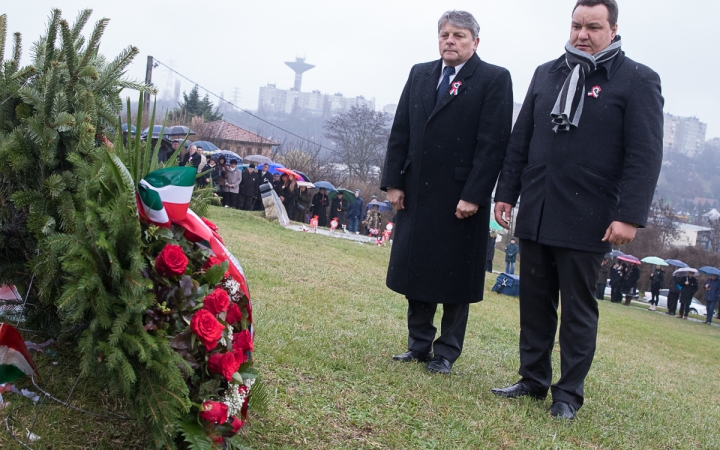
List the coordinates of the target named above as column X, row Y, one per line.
column 440, row 364
column 562, row 410
column 519, row 389
column 412, row 355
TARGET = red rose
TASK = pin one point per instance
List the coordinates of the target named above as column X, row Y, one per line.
column 243, row 341
column 243, row 390
column 207, row 328
column 171, row 261
column 217, row 302
column 214, row 412
column 210, row 225
column 240, row 356
column 223, row 364
column 214, row 261
column 192, row 237
column 244, row 409
column 236, row 424
column 233, row 315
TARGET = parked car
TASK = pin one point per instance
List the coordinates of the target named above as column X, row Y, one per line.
column 695, row 306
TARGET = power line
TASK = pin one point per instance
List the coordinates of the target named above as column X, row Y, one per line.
column 239, row 108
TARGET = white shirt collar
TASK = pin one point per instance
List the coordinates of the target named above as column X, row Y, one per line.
column 452, row 77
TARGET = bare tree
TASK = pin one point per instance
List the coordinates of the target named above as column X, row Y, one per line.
column 360, row 137
column 307, row 158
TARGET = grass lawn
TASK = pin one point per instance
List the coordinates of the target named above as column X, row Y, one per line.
column 326, row 328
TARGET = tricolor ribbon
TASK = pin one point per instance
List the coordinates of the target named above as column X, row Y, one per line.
column 455, row 86
column 163, row 198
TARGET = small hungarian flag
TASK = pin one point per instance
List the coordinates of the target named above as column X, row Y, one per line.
column 164, row 195
column 15, row 360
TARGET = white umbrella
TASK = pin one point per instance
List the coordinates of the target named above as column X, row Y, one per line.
column 685, row 271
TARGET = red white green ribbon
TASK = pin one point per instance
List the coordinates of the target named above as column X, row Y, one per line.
column 15, row 360
column 455, row 86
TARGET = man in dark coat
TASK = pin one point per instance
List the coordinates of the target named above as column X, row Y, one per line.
column 355, row 212
column 492, row 240
column 617, row 276
column 249, row 188
column 446, row 147
column 338, row 208
column 657, row 278
column 191, row 158
column 584, row 155
column 630, row 284
column 712, row 295
column 601, row 282
column 319, row 205
column 689, row 288
column 673, row 295
column 511, row 251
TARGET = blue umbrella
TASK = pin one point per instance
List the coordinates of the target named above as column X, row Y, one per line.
column 707, row 270
column 273, row 168
column 382, row 206
column 206, row 146
column 229, row 156
column 325, row 185
column 676, row 263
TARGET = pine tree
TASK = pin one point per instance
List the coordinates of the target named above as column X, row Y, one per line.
column 192, row 106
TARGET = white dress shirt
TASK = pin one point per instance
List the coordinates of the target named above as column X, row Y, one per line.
column 452, row 77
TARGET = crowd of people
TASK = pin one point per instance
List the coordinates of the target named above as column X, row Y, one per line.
column 624, row 278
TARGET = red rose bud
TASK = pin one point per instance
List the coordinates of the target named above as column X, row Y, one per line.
column 234, row 314
column 243, row 390
column 225, row 364
column 207, row 328
column 236, row 424
column 243, row 341
column 192, row 237
column 171, row 261
column 214, row 261
column 214, row 412
column 217, row 302
column 244, row 409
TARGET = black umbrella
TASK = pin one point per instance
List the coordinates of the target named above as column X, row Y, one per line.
column 179, row 129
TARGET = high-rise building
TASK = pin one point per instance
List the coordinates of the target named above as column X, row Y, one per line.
column 685, row 135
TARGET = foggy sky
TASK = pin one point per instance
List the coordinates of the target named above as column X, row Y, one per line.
column 368, row 47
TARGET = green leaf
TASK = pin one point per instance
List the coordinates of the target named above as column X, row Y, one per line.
column 195, row 436
column 215, row 274
column 233, row 443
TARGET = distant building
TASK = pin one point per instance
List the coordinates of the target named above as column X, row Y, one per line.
column 290, row 101
column 684, row 135
column 231, row 137
column 713, row 144
column 691, row 235
column 390, row 109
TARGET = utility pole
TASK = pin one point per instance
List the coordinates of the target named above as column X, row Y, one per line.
column 148, row 81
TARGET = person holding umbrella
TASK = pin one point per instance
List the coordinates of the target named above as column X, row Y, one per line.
column 338, row 208
column 673, row 295
column 355, row 212
column 616, row 282
column 712, row 294
column 657, row 278
column 601, row 282
column 319, row 207
column 630, row 284
column 689, row 286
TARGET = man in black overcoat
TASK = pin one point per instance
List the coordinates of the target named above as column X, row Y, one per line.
column 319, row 206
column 445, row 150
column 584, row 157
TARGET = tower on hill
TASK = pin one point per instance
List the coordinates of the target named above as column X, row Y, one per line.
column 299, row 66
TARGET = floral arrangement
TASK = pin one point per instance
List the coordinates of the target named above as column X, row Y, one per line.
column 207, row 315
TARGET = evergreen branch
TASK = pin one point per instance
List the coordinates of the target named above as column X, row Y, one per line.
column 3, row 36
column 50, row 39
column 94, row 42
column 80, row 22
column 114, row 70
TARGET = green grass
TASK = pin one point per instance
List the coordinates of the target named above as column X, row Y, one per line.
column 326, row 328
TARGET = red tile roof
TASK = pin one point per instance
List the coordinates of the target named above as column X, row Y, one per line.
column 223, row 130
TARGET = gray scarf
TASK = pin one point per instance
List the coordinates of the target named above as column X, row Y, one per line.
column 569, row 104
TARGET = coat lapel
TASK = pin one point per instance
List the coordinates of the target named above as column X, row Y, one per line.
column 429, row 86
column 465, row 73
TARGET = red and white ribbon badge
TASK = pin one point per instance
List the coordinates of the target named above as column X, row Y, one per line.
column 455, row 86
column 595, row 92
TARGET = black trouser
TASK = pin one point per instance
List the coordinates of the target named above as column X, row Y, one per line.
column 421, row 331
column 232, row 199
column 246, row 202
column 684, row 306
column 547, row 273
column 488, row 266
column 616, row 294
column 655, row 298
column 600, row 291
column 672, row 300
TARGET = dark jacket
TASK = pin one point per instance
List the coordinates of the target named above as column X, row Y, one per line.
column 439, row 154
column 616, row 277
column 675, row 284
column 492, row 240
column 266, row 177
column 216, row 174
column 355, row 210
column 511, row 251
column 657, row 278
column 278, row 187
column 688, row 290
column 713, row 293
column 603, row 274
column 320, row 203
column 573, row 184
column 630, row 283
column 249, row 184
column 193, row 160
column 338, row 208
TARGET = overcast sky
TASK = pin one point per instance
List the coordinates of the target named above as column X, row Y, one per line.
column 368, row 47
